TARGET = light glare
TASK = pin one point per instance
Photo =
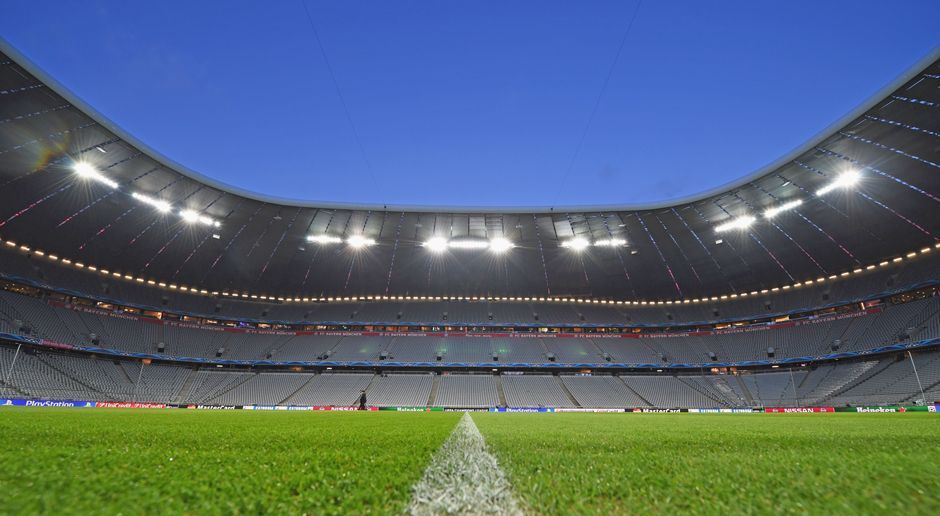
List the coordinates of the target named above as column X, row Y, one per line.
column 359, row 241
column 773, row 212
column 738, row 223
column 87, row 171
column 578, row 244
column 324, row 239
column 500, row 245
column 845, row 180
column 161, row 205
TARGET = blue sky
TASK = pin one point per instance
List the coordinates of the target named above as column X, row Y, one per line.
column 474, row 103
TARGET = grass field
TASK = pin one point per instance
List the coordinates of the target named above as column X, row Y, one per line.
column 720, row 463
column 140, row 461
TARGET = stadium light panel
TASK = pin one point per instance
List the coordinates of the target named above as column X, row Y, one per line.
column 359, row 241
column 611, row 242
column 577, row 244
column 468, row 244
column 193, row 217
column 500, row 245
column 324, row 239
column 773, row 212
column 88, row 171
column 161, row 205
column 845, row 180
column 436, row 244
column 738, row 223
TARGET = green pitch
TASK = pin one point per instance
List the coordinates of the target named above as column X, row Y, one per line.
column 720, row 463
column 173, row 461
column 159, row 461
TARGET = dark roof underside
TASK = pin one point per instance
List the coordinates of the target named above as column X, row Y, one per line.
column 671, row 252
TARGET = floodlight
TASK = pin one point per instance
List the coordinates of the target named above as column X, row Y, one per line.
column 161, row 205
column 577, row 243
column 738, row 223
column 437, row 244
column 844, row 180
column 500, row 245
column 324, row 239
column 468, row 244
column 773, row 212
column 88, row 171
column 359, row 241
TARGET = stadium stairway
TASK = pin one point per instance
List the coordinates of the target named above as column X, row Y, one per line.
column 435, row 384
column 747, row 393
column 186, row 387
column 122, row 367
column 499, row 391
column 67, row 374
column 635, row 393
column 692, row 384
column 289, row 398
column 230, row 387
column 858, row 380
column 564, row 389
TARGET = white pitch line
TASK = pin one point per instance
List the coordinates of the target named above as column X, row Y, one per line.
column 463, row 478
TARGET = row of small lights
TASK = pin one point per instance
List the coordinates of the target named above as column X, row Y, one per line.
column 243, row 295
column 89, row 172
column 843, row 180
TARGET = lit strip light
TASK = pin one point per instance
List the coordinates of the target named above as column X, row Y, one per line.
column 324, row 239
column 845, row 179
column 360, row 241
column 441, row 244
column 193, row 217
column 773, row 212
column 87, row 171
column 161, row 205
column 579, row 243
column 738, row 223
column 725, row 297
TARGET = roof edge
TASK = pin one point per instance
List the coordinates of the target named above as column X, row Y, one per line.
column 167, row 162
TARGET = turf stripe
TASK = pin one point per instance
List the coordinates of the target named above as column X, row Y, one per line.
column 463, row 477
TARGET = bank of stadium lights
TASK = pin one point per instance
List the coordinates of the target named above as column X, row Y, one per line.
column 360, row 241
column 441, row 244
column 776, row 210
column 324, row 239
column 354, row 241
column 193, row 217
column 576, row 244
column 579, row 244
column 843, row 180
column 88, row 171
column 738, row 223
column 161, row 205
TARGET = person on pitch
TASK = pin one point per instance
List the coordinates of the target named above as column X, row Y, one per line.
column 362, row 400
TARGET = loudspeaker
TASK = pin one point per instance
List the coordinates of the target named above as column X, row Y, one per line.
column 161, row 347
column 770, row 352
column 712, row 356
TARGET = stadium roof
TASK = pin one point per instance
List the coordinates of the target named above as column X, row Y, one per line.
column 75, row 185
